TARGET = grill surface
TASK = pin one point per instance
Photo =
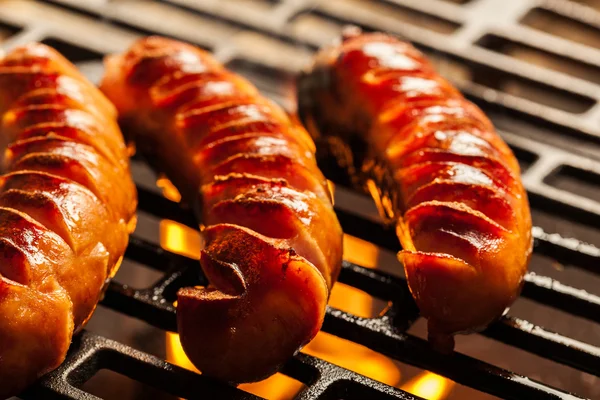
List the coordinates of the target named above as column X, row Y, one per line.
column 533, row 66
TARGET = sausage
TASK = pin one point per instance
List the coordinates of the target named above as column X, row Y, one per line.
column 437, row 170
column 273, row 245
column 67, row 206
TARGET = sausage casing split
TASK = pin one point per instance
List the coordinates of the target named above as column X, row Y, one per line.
column 273, row 244
column 437, row 170
column 67, row 205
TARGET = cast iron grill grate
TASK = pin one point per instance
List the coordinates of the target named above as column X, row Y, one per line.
column 503, row 55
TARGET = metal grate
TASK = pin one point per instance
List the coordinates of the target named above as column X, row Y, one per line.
column 533, row 66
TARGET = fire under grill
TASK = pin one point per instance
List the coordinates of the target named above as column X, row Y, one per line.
column 534, row 68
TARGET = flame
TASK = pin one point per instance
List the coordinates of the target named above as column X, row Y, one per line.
column 276, row 387
column 360, row 252
column 347, row 354
column 429, row 386
column 180, row 239
column 168, row 189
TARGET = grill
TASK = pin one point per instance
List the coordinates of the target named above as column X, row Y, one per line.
column 533, row 66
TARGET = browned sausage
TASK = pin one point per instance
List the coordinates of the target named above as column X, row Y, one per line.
column 67, row 205
column 437, row 170
column 273, row 245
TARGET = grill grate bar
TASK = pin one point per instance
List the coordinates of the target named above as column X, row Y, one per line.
column 551, row 292
column 431, row 41
column 333, row 382
column 381, row 334
column 379, row 284
column 89, row 353
column 568, row 250
column 537, row 340
column 523, row 335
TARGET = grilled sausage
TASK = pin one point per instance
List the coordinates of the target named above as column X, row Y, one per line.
column 437, row 170
column 273, row 245
column 67, row 205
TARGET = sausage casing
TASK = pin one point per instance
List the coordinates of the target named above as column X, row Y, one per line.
column 273, row 245
column 437, row 170
column 67, row 205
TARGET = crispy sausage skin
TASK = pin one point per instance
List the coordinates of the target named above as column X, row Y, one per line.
column 273, row 245
column 437, row 170
column 67, row 205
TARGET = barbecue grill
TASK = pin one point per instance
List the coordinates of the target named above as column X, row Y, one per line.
column 534, row 68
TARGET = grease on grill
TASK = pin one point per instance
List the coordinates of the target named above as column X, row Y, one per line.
column 556, row 24
column 542, row 58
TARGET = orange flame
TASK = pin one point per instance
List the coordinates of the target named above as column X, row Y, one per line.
column 429, row 386
column 180, row 239
column 169, row 190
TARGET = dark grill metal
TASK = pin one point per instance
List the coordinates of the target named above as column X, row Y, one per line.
column 491, row 49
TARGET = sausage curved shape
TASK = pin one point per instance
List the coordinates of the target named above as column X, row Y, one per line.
column 273, row 245
column 437, row 170
column 67, row 206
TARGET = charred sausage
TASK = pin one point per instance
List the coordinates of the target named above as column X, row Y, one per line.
column 273, row 245
column 437, row 170
column 67, row 205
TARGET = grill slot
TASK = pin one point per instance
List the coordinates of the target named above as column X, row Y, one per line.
column 467, row 72
column 98, row 387
column 136, row 275
column 541, row 58
column 554, row 23
column 7, row 31
column 526, row 158
column 406, row 15
column 74, row 53
column 576, row 180
column 541, row 94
